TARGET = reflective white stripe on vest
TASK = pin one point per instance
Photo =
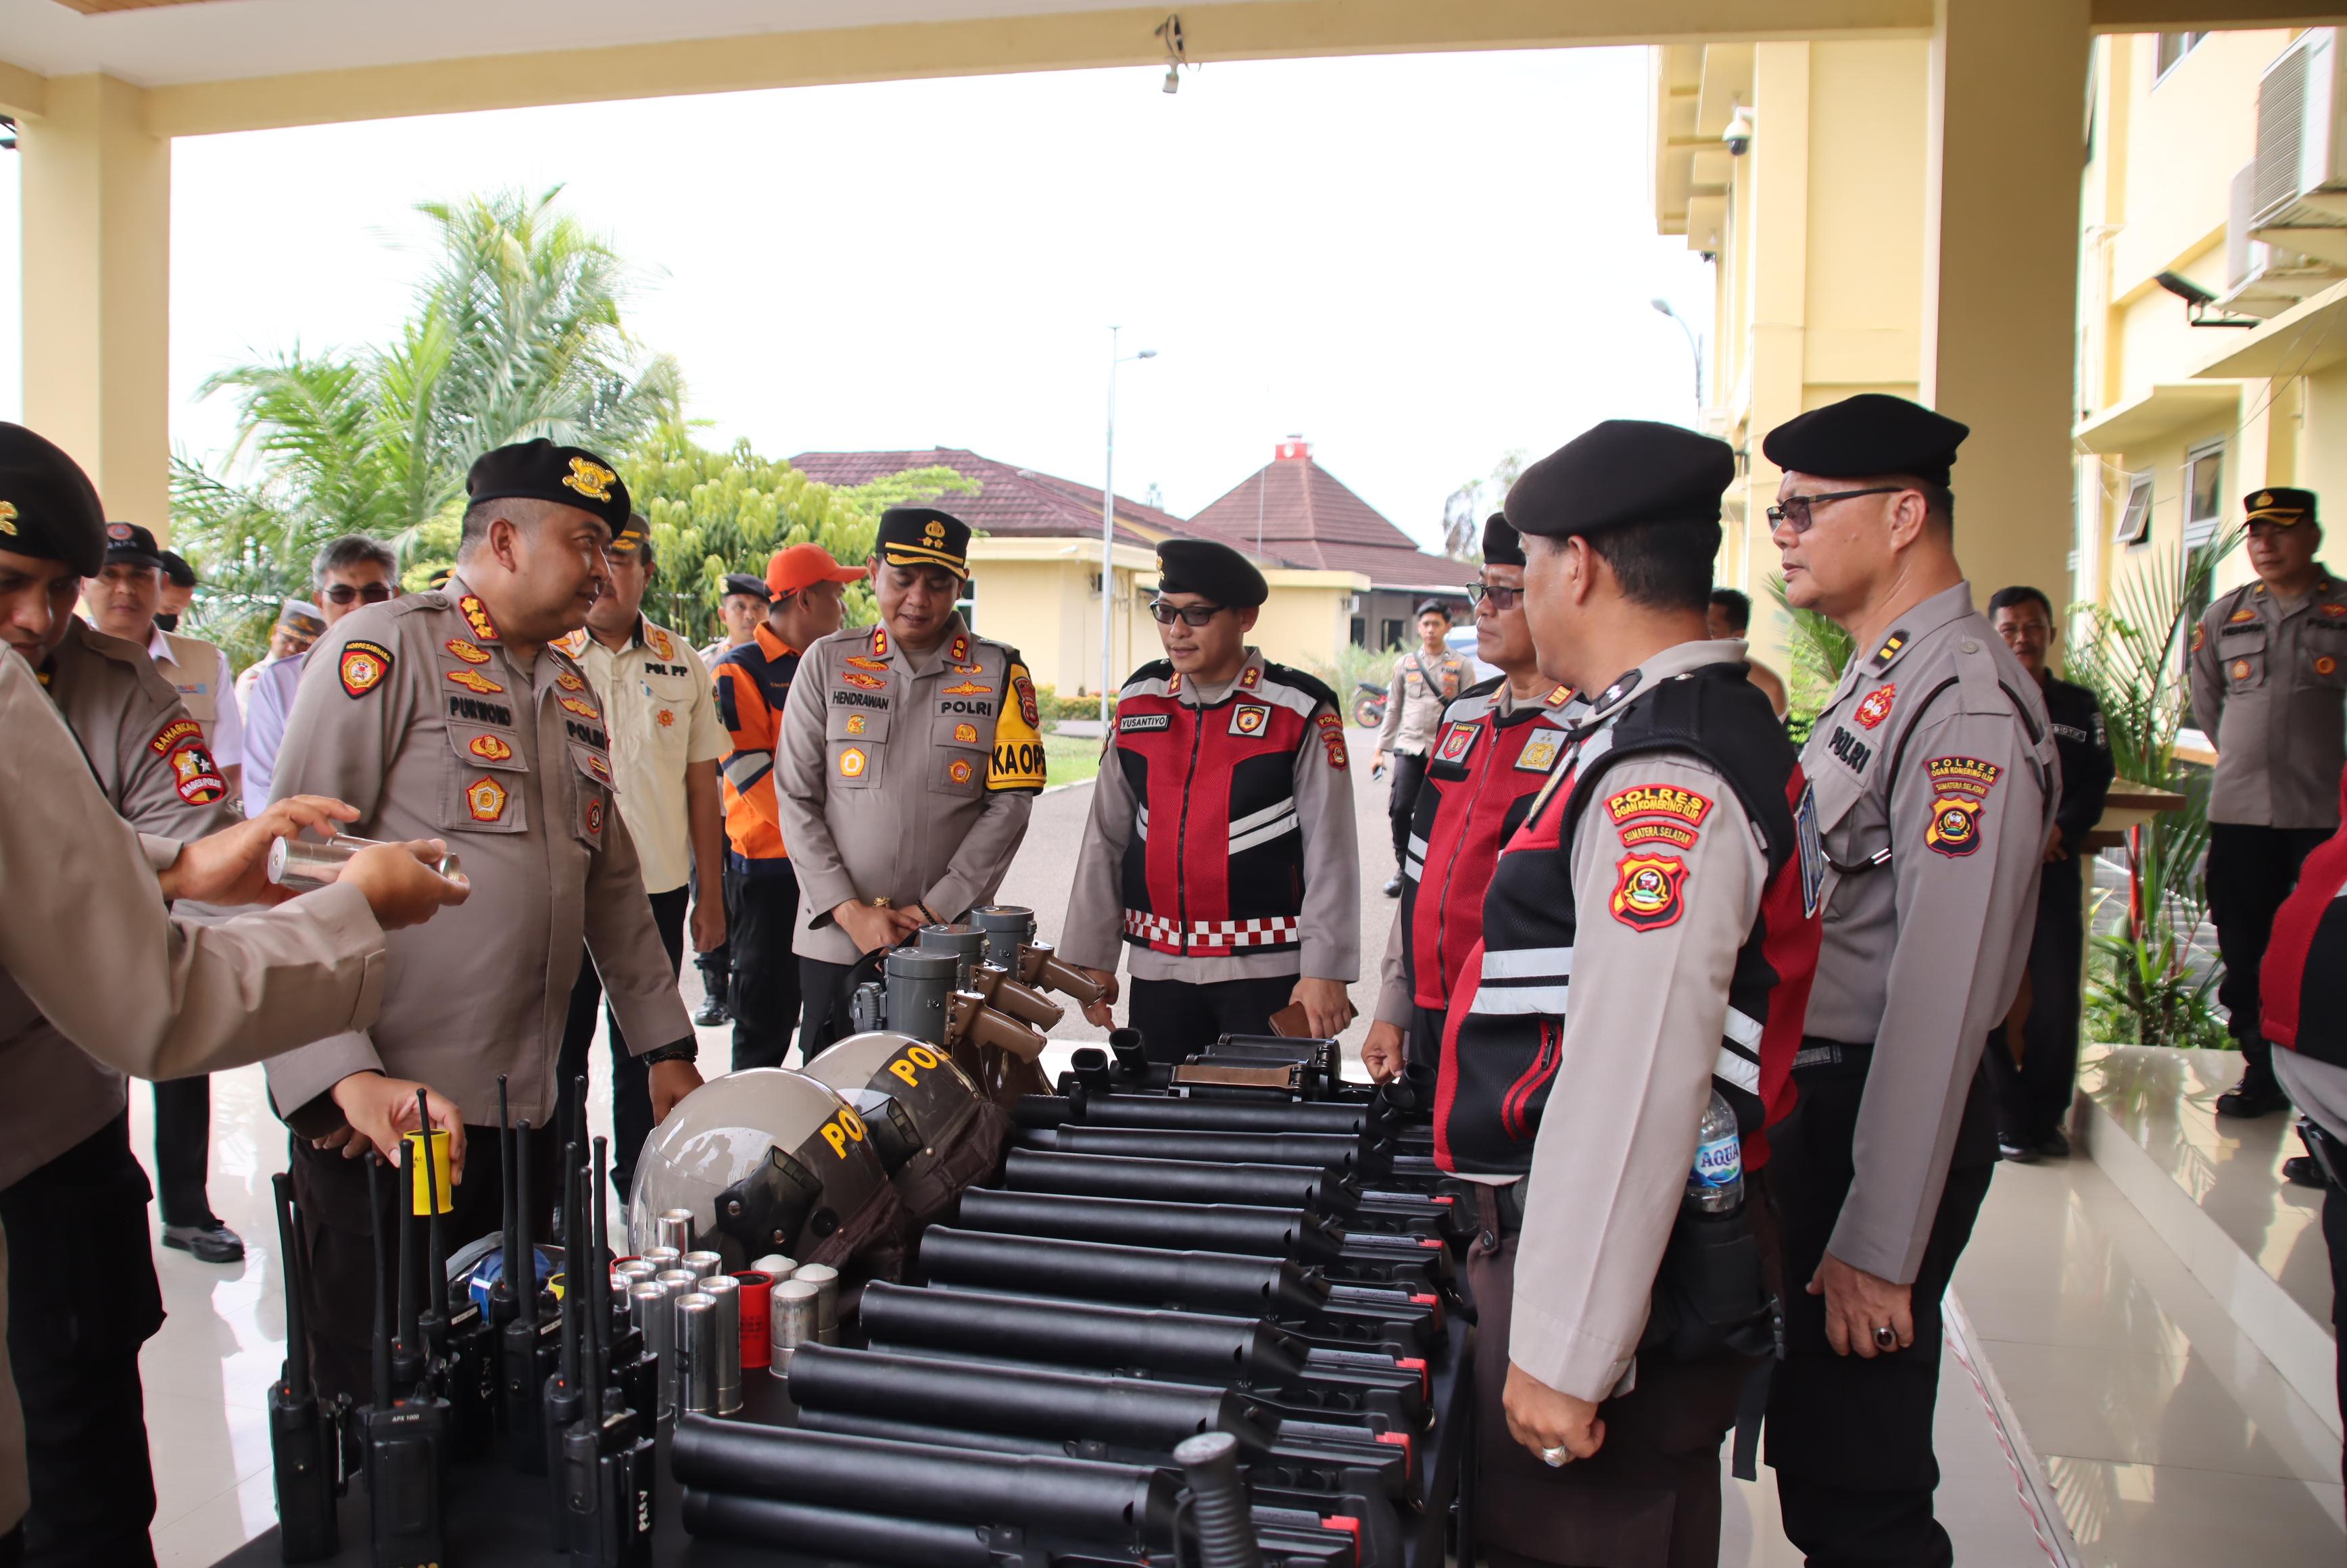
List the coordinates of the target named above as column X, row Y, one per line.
column 1526, row 963
column 1418, row 847
column 1744, row 1030
column 1740, row 1070
column 746, row 768
column 1514, row 1000
column 1141, row 823
column 1277, row 828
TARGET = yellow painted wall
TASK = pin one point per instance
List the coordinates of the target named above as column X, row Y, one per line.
column 1864, row 290
column 1306, row 622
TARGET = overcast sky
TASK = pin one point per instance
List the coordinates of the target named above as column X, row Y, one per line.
column 1416, row 263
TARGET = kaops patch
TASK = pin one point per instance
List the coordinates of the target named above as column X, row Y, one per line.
column 195, row 776
column 1650, row 891
column 485, row 798
column 869, row 683
column 852, row 762
column 965, row 734
column 173, row 734
column 364, row 667
column 1457, row 741
column 477, row 616
column 490, row 749
column 467, row 651
column 573, row 705
column 1875, row 706
column 474, row 681
column 1025, row 688
column 1249, row 718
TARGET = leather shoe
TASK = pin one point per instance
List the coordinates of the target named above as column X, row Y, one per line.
column 1393, row 885
column 2054, row 1145
column 2247, row 1099
column 2019, row 1153
column 709, row 1013
column 213, row 1243
column 2300, row 1170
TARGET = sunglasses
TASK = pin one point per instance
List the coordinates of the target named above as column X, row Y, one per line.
column 373, row 593
column 1188, row 614
column 1794, row 511
column 1501, row 597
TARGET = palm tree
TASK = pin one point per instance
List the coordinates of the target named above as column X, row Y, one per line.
column 517, row 333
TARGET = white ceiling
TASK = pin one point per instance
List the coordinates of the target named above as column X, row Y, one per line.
column 159, row 44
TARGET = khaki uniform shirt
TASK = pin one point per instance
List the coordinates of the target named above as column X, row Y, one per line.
column 416, row 713
column 1936, row 780
column 1422, row 687
column 150, row 760
column 904, row 777
column 1092, row 934
column 103, row 962
column 2269, row 691
column 1604, row 1185
column 656, row 695
column 199, row 672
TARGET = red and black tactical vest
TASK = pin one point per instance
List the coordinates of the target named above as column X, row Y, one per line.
column 1481, row 778
column 2302, row 984
column 1505, row 1028
column 1215, row 863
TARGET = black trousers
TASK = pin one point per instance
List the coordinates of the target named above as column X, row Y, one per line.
column 1401, row 799
column 632, row 1095
column 1177, row 1019
column 337, row 1223
column 1423, row 1045
column 183, row 1148
column 82, row 1299
column 823, row 989
column 1850, row 1438
column 2334, row 1240
column 763, row 998
column 2032, row 1099
column 717, row 964
column 2250, row 871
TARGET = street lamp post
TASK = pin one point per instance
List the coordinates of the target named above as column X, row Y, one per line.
column 1695, row 350
column 1107, row 534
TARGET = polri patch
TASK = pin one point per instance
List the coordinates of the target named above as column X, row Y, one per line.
column 1249, row 718
column 1540, row 753
column 1457, row 741
column 364, row 667
column 966, row 734
column 1650, row 891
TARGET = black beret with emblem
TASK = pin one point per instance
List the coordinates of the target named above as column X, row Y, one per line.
column 540, row 471
column 48, row 507
column 1213, row 571
column 1870, row 434
column 923, row 536
column 2281, row 505
column 129, row 542
column 176, row 569
column 1620, row 472
column 1502, row 545
column 743, row 582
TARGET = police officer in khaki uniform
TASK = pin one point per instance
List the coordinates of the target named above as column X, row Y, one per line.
column 453, row 714
column 1425, row 680
column 1936, row 782
column 909, row 757
column 1665, row 843
column 101, row 968
column 2268, row 669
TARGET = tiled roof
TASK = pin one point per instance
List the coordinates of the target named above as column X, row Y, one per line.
column 1305, row 514
column 1008, row 502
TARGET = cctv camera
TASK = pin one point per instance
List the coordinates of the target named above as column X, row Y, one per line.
column 2185, row 289
column 1739, row 134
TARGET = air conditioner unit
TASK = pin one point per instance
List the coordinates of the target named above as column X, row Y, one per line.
column 2262, row 278
column 2297, row 198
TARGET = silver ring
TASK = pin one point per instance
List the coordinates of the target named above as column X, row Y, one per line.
column 1886, row 1337
column 1556, row 1458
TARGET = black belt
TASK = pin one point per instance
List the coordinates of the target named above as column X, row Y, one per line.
column 2329, row 1152
column 1817, row 1052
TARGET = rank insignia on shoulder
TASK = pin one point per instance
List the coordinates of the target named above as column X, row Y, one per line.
column 573, row 705
column 1250, row 678
column 364, row 667
column 195, row 776
column 474, row 681
column 960, row 654
column 1457, row 741
column 467, row 651
column 1558, row 696
column 661, row 645
column 477, row 616
column 485, row 798
column 173, row 734
column 488, row 748
column 879, row 642
column 852, row 762
column 964, row 734
column 574, row 643
column 1249, row 718
column 1890, row 646
column 1540, row 753
column 1651, row 891
column 1875, row 706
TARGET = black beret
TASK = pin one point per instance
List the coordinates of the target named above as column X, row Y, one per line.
column 1431, row 606
column 743, row 582
column 540, row 471
column 48, row 507
column 1620, row 472
column 1213, row 571
column 176, row 570
column 1502, row 545
column 923, row 536
column 129, row 542
column 2279, row 505
column 1870, row 434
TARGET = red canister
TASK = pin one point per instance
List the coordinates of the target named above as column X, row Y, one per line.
column 757, row 1349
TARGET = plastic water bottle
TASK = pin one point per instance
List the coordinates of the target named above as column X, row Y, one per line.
column 1715, row 1185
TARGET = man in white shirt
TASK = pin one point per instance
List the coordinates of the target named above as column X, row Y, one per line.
column 664, row 741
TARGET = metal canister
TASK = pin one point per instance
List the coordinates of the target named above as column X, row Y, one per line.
column 650, row 1301
column 1007, row 928
column 696, row 1354
column 966, row 943
column 677, row 1284
column 672, row 1229
column 662, row 1259
column 701, row 1264
column 776, row 1266
column 634, row 1269
column 304, row 864
column 919, row 984
column 755, row 1287
column 794, row 1304
column 727, row 1293
column 825, row 1280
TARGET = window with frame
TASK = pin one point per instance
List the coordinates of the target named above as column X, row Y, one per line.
column 2203, row 493
column 2134, row 526
column 967, row 605
column 1389, row 634
column 2170, row 49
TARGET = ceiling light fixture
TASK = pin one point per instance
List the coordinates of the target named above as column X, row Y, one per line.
column 1169, row 32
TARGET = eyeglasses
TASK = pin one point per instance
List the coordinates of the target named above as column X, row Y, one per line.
column 1189, row 614
column 1795, row 511
column 1502, row 597
column 373, row 593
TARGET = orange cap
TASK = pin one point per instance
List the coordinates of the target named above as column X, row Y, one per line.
column 802, row 566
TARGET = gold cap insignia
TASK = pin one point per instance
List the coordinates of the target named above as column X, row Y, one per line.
column 2265, row 499
column 935, row 532
column 590, row 479
column 8, row 518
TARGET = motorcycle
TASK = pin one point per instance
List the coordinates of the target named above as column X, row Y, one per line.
column 1369, row 705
